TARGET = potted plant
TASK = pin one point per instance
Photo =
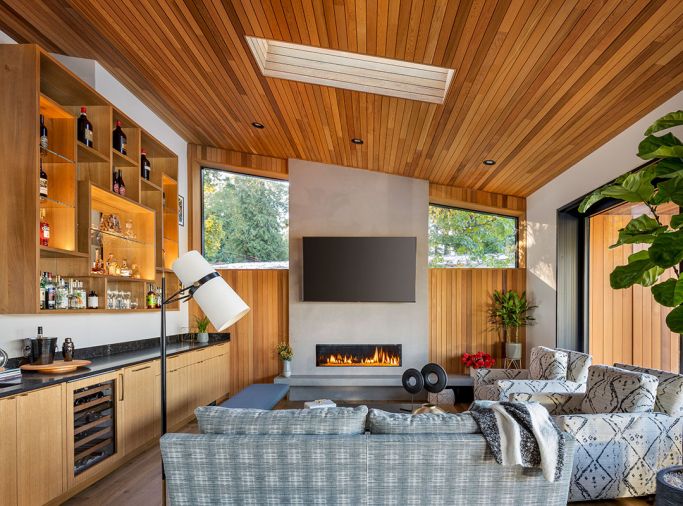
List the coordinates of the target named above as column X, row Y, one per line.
column 201, row 324
column 286, row 354
column 508, row 313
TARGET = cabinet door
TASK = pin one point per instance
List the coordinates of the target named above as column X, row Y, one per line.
column 40, row 445
column 224, row 372
column 8, row 451
column 140, row 416
column 176, row 397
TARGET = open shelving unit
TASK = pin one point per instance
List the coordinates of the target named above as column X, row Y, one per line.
column 80, row 188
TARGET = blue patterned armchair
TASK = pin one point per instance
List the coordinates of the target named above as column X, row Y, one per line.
column 628, row 425
column 550, row 371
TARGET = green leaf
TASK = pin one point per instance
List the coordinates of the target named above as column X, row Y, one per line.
column 671, row 190
column 676, row 221
column 669, row 293
column 670, row 120
column 643, row 229
column 665, row 146
column 591, row 199
column 639, row 270
column 621, row 193
column 674, row 320
column 668, row 168
column 667, row 249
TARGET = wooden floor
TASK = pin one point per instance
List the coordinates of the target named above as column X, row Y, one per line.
column 138, row 483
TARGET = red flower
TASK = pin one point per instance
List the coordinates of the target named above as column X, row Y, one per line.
column 478, row 360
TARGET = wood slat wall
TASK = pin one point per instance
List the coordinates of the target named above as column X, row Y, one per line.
column 624, row 325
column 458, row 321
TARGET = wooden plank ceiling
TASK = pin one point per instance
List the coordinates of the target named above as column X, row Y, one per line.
column 538, row 84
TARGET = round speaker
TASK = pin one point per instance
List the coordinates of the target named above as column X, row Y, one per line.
column 413, row 381
column 435, row 378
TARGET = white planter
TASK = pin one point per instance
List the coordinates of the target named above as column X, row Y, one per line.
column 286, row 368
column 513, row 351
column 202, row 337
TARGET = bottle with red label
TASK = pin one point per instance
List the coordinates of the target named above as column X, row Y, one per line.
column 44, row 229
column 85, row 131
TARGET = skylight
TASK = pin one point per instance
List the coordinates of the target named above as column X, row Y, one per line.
column 351, row 71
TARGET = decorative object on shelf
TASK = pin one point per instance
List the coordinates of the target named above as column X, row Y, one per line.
column 56, row 367
column 669, row 486
column 508, row 313
column 286, row 354
column 110, row 223
column 135, row 271
column 112, row 266
column 124, row 270
column 219, row 302
column 68, row 350
column 201, row 324
column 435, row 378
column 129, row 233
column 428, row 408
column 413, row 383
column 181, row 210
column 478, row 360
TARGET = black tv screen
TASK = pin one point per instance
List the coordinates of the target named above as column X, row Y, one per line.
column 359, row 269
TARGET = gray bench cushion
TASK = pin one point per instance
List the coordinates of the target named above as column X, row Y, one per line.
column 258, row 396
column 381, row 422
column 217, row 420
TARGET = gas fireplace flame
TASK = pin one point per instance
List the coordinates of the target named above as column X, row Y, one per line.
column 379, row 358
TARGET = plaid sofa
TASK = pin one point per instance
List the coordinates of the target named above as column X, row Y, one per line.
column 405, row 465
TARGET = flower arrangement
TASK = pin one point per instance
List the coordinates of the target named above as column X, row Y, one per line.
column 478, row 360
column 284, row 351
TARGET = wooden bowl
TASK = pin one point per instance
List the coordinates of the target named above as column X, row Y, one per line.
column 56, row 367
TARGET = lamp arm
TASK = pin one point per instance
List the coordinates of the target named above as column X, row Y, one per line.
column 177, row 295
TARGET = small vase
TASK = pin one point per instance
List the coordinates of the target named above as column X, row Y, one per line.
column 202, row 337
column 286, row 368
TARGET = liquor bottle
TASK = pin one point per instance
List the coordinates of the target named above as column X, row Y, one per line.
column 43, row 281
column 115, row 186
column 62, row 294
column 122, row 185
column 93, row 300
column 85, row 131
column 43, row 182
column 150, row 301
column 44, row 229
column 43, row 133
column 120, row 139
column 50, row 292
column 145, row 166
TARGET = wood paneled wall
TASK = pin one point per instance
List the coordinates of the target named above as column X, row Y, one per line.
column 458, row 322
column 624, row 325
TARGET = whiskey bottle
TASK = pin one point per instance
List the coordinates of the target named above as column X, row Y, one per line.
column 44, row 229
column 85, row 131
column 120, row 139
column 43, row 133
column 43, row 182
column 145, row 166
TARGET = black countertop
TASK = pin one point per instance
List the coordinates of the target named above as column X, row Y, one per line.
column 33, row 380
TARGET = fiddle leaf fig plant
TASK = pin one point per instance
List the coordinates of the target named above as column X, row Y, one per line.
column 659, row 244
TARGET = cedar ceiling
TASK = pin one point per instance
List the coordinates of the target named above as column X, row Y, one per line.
column 538, row 85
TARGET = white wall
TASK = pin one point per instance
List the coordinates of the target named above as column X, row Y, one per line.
column 94, row 329
column 329, row 200
column 613, row 159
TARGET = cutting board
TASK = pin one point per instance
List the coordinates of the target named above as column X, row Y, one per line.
column 56, row 367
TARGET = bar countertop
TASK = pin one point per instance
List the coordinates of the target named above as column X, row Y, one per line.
column 33, row 380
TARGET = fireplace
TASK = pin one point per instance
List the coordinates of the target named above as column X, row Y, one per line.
column 358, row 355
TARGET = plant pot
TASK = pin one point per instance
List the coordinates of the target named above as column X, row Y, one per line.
column 286, row 368
column 513, row 351
column 202, row 337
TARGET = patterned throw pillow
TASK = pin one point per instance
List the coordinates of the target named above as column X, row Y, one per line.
column 324, row 421
column 669, row 391
column 548, row 364
column 577, row 366
column 613, row 390
column 381, row 422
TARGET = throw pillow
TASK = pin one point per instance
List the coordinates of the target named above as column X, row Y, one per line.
column 669, row 390
column 613, row 390
column 327, row 421
column 381, row 422
column 548, row 364
column 577, row 365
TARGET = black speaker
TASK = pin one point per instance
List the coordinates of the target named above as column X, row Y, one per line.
column 413, row 381
column 435, row 378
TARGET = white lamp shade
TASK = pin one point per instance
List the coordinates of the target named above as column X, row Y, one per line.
column 220, row 303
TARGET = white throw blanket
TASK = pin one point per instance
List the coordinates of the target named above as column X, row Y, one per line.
column 521, row 433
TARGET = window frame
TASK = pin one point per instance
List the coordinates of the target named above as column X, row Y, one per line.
column 517, row 220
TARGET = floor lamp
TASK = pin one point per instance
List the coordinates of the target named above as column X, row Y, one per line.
column 221, row 305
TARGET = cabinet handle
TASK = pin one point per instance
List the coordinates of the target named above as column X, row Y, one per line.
column 122, row 388
column 141, row 368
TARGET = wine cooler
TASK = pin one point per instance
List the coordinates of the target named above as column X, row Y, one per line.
column 94, row 424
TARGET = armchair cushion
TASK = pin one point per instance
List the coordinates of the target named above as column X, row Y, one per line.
column 548, row 364
column 669, row 390
column 485, row 387
column 611, row 390
column 381, row 422
column 577, row 365
column 555, row 402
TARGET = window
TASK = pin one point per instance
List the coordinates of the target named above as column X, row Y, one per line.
column 245, row 221
column 464, row 238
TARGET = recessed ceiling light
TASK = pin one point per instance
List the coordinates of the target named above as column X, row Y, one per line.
column 356, row 140
column 256, row 124
column 489, row 162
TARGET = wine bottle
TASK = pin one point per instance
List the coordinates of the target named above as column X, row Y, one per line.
column 43, row 133
column 43, row 182
column 122, row 185
column 85, row 131
column 145, row 166
column 44, row 229
column 115, row 185
column 120, row 139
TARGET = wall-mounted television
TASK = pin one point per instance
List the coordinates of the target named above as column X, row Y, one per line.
column 359, row 269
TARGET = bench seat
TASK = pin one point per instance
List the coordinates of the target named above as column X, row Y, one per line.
column 258, row 396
